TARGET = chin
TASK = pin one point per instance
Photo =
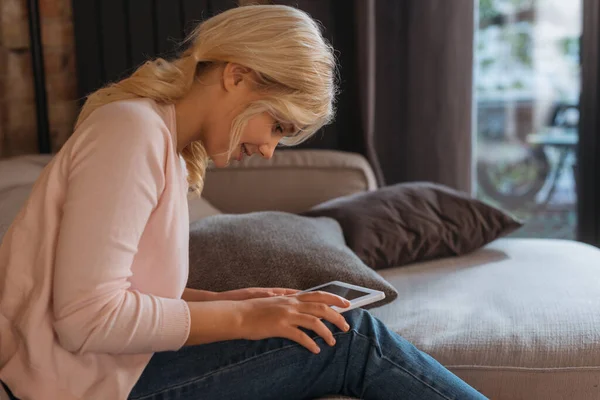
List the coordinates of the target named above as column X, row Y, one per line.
column 220, row 162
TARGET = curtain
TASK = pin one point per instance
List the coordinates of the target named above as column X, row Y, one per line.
column 406, row 86
column 588, row 164
column 423, row 90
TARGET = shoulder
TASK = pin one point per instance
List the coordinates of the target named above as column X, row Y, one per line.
column 142, row 113
column 135, row 123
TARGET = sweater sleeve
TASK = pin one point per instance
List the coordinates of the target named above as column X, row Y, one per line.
column 115, row 178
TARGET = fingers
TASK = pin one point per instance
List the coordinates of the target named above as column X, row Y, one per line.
column 321, row 310
column 283, row 291
column 256, row 293
column 317, row 326
column 303, row 339
column 324, row 297
column 283, row 316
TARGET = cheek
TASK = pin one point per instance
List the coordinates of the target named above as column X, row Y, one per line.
column 257, row 132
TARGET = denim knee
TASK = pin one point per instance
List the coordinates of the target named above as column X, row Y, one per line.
column 361, row 321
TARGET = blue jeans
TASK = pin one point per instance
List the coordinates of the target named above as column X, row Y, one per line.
column 368, row 362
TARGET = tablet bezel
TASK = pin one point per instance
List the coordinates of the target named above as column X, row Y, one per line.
column 371, row 296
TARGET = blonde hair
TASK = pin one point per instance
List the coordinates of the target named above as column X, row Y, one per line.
column 292, row 63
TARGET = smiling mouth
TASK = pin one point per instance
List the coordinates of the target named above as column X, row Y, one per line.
column 243, row 152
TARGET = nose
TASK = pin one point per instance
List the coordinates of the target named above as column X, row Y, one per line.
column 266, row 151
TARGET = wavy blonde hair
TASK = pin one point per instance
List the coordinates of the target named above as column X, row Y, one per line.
column 293, row 66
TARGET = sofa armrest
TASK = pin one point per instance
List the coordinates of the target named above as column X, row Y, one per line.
column 291, row 181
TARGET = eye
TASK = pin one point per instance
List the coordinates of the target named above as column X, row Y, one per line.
column 278, row 127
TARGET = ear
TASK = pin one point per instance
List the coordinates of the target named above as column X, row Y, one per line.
column 234, row 75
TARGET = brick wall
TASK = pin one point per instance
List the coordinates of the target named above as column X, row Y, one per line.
column 18, row 133
column 17, row 105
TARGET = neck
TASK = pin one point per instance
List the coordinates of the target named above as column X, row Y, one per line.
column 190, row 114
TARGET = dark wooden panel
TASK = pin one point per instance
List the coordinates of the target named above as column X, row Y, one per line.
column 148, row 28
column 194, row 11
column 169, row 29
column 141, row 31
column 88, row 45
column 391, row 69
column 323, row 12
column 341, row 31
column 320, row 10
column 39, row 77
column 218, row 6
column 114, row 39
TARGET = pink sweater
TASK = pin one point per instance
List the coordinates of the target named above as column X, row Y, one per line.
column 93, row 268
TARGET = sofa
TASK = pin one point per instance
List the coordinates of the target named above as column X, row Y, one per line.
column 516, row 319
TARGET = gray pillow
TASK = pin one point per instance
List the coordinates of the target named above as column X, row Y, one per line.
column 275, row 249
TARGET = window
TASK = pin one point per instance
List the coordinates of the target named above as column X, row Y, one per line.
column 527, row 87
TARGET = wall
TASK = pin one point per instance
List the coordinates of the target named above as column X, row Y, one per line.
column 18, row 134
column 17, row 105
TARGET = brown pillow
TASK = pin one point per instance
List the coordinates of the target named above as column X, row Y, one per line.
column 411, row 222
column 275, row 249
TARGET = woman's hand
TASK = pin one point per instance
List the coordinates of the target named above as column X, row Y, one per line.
column 253, row 293
column 191, row 295
column 282, row 316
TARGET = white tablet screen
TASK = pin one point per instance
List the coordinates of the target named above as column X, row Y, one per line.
column 347, row 293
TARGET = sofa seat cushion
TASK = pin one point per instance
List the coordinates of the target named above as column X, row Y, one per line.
column 517, row 319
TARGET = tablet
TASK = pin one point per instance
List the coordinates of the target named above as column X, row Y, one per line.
column 357, row 295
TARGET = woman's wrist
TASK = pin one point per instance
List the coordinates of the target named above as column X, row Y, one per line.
column 192, row 295
column 214, row 321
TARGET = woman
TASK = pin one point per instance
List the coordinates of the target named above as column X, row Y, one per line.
column 93, row 303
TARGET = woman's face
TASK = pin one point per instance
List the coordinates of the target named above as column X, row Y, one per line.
column 262, row 132
column 260, row 136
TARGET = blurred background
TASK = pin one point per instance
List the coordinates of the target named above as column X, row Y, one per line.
column 497, row 98
column 527, row 88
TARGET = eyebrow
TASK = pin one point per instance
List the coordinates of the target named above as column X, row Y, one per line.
column 294, row 131
column 290, row 129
